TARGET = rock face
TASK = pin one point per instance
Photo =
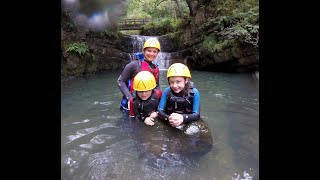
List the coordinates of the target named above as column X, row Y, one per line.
column 235, row 57
column 103, row 50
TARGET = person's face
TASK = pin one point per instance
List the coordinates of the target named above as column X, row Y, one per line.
column 150, row 53
column 177, row 83
column 144, row 95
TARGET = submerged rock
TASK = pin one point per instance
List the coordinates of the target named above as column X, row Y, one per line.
column 192, row 138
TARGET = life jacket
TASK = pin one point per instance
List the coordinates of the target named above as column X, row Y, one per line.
column 143, row 109
column 144, row 67
column 183, row 105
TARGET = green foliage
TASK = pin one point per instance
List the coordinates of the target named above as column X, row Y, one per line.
column 131, row 32
column 242, row 34
column 239, row 20
column 165, row 16
column 175, row 35
column 80, row 48
column 210, row 43
column 213, row 44
column 111, row 34
column 176, row 24
column 153, row 9
column 162, row 26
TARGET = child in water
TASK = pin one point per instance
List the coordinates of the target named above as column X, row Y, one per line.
column 145, row 101
column 180, row 102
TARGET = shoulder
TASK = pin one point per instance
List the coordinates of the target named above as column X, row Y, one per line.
column 132, row 66
column 195, row 90
column 133, row 63
column 155, row 66
column 165, row 91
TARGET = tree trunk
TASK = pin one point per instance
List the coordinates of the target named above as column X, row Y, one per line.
column 190, row 8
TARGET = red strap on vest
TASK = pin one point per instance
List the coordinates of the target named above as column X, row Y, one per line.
column 159, row 93
column 145, row 67
column 155, row 72
column 130, row 106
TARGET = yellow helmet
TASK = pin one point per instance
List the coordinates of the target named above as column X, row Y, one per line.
column 178, row 69
column 144, row 81
column 152, row 42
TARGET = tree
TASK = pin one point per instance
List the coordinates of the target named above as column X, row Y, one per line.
column 190, row 8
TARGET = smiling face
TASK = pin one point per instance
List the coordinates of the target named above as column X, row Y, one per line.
column 144, row 95
column 150, row 53
column 177, row 83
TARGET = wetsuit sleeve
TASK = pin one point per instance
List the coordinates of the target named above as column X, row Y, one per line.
column 129, row 71
column 162, row 105
column 195, row 116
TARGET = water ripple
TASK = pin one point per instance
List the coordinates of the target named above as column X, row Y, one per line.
column 87, row 131
column 107, row 103
column 246, row 176
column 72, row 161
column 81, row 122
column 99, row 139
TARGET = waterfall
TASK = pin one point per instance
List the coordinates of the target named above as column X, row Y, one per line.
column 163, row 58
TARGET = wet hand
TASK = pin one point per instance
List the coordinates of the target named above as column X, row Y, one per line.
column 149, row 121
column 175, row 119
column 153, row 115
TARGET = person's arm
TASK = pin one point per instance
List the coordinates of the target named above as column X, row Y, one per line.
column 128, row 72
column 161, row 112
column 150, row 120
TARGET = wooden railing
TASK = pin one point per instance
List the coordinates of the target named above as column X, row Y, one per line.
column 132, row 24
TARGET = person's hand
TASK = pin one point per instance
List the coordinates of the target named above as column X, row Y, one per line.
column 149, row 121
column 154, row 115
column 175, row 119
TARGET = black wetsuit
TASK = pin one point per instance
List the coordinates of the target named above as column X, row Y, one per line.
column 183, row 103
column 143, row 109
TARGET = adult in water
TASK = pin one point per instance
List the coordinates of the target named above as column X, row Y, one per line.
column 143, row 62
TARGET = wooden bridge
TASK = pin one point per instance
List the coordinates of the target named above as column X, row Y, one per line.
column 132, row 24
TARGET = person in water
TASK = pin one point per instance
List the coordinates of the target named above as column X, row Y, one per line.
column 180, row 102
column 143, row 62
column 145, row 101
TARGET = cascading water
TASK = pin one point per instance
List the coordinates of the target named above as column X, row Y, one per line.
column 163, row 58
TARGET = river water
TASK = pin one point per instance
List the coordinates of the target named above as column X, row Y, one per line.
column 99, row 142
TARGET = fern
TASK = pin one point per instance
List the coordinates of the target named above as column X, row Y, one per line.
column 80, row 48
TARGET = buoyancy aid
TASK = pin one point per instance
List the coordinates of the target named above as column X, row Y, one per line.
column 180, row 104
column 144, row 67
column 143, row 109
